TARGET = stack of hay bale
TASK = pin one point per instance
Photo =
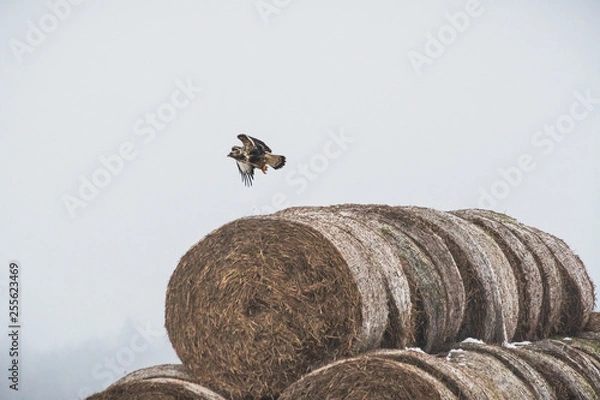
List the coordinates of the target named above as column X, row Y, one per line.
column 327, row 302
column 161, row 382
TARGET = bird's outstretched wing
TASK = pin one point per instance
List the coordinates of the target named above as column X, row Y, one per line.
column 246, row 171
column 251, row 144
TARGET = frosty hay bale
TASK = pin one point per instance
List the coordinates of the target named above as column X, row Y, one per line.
column 579, row 288
column 543, row 370
column 530, row 382
column 547, row 369
column 162, row 382
column 368, row 377
column 259, row 302
column 528, row 277
column 371, row 258
column 494, row 375
column 461, row 383
column 492, row 301
column 263, row 300
column 567, row 381
column 392, row 374
column 436, row 288
column 560, row 288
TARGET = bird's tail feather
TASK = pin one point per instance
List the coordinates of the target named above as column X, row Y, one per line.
column 275, row 161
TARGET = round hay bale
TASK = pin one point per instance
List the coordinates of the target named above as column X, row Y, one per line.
column 579, row 300
column 175, row 371
column 575, row 358
column 358, row 258
column 575, row 301
column 567, row 382
column 528, row 375
column 259, row 302
column 161, row 382
column 593, row 324
column 524, row 266
column 494, row 374
column 436, row 287
column 590, row 346
column 593, row 337
column 367, row 377
column 550, row 321
column 492, row 298
column 378, row 256
column 461, row 382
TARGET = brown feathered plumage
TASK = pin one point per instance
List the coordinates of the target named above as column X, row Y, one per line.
column 254, row 154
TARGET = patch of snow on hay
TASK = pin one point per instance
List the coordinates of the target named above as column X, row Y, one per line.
column 473, row 340
column 515, row 345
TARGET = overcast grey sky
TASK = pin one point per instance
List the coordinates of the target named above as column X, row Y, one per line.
column 116, row 118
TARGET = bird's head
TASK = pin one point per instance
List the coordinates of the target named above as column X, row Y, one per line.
column 236, row 152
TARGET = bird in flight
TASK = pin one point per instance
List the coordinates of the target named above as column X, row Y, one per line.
column 254, row 154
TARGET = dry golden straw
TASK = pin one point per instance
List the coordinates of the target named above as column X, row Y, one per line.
column 262, row 301
column 161, row 382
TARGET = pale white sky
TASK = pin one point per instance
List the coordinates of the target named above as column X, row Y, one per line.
column 331, row 86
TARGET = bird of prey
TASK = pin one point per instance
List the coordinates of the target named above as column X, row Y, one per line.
column 254, row 154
